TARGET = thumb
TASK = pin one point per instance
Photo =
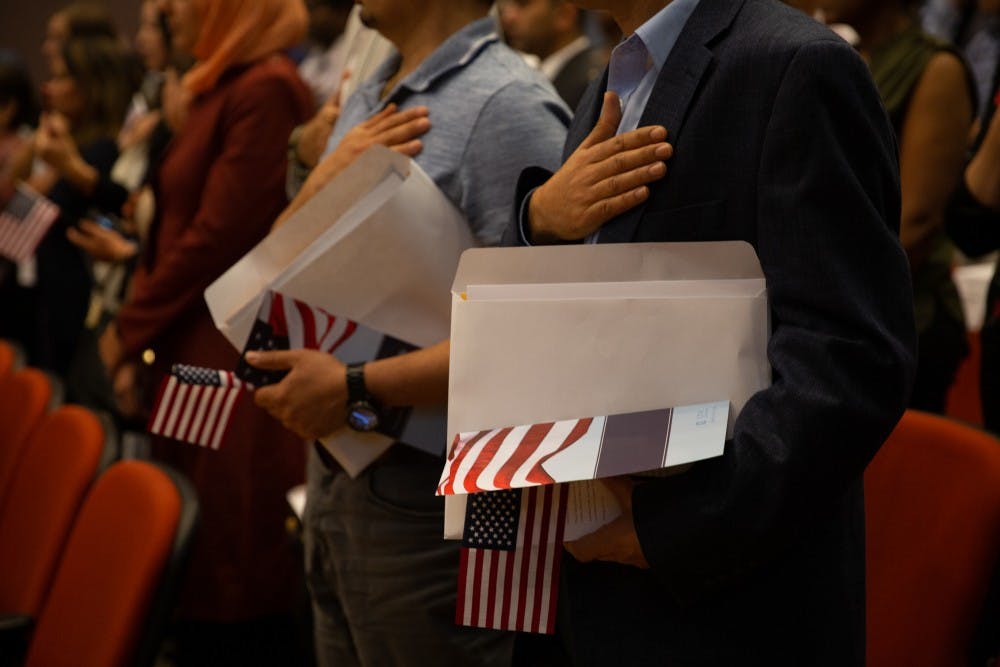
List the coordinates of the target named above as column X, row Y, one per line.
column 607, row 122
column 274, row 360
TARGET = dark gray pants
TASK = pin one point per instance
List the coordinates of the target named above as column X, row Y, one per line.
column 382, row 579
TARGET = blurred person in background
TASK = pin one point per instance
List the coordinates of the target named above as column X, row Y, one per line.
column 930, row 96
column 86, row 96
column 18, row 116
column 323, row 67
column 974, row 27
column 553, row 30
column 80, row 19
column 218, row 188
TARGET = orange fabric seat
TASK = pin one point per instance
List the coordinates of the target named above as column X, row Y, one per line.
column 8, row 358
column 932, row 504
column 58, row 465
column 24, row 397
column 121, row 545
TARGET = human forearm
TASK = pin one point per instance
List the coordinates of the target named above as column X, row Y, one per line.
column 417, row 378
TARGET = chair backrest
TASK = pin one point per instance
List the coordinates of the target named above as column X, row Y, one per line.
column 932, row 505
column 24, row 397
column 59, row 463
column 134, row 524
column 11, row 358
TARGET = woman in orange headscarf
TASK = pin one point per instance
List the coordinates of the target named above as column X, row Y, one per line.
column 219, row 187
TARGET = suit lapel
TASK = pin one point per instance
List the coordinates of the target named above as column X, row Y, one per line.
column 587, row 113
column 675, row 91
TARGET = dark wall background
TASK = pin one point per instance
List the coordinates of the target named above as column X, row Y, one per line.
column 22, row 26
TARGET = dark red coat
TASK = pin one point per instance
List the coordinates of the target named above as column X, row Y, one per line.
column 219, row 189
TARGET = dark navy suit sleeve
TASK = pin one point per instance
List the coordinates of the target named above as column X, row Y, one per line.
column 842, row 344
column 518, row 232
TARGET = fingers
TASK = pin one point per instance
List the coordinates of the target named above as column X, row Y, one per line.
column 628, row 160
column 607, row 122
column 383, row 122
column 403, row 133
column 606, row 209
column 276, row 360
column 79, row 239
column 628, row 141
column 410, row 148
column 632, row 180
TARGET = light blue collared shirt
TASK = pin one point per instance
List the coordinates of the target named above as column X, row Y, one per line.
column 634, row 67
column 491, row 115
column 637, row 61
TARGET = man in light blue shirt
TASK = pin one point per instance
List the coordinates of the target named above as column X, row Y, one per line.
column 382, row 579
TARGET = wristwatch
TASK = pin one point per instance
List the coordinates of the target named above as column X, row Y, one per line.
column 362, row 408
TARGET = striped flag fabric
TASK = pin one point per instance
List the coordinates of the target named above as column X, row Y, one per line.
column 534, row 454
column 25, row 220
column 507, row 458
column 284, row 323
column 195, row 405
column 511, row 550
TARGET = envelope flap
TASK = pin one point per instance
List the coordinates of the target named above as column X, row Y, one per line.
column 244, row 281
column 610, row 262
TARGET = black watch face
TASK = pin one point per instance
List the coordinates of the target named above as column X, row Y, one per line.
column 362, row 416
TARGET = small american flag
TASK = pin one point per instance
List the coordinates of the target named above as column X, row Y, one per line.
column 24, row 222
column 508, row 575
column 195, row 405
column 284, row 323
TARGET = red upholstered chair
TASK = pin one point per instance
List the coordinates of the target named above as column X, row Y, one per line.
column 59, row 463
column 932, row 504
column 11, row 358
column 108, row 603
column 25, row 395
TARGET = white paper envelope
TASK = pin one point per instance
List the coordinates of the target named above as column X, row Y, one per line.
column 378, row 245
column 551, row 333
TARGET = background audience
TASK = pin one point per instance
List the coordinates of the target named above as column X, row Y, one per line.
column 929, row 94
column 168, row 158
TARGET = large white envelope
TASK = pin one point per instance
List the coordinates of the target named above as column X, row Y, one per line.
column 550, row 333
column 378, row 245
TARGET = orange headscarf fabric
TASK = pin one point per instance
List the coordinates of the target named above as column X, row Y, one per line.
column 235, row 32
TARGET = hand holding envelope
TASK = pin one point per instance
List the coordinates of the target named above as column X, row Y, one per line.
column 311, row 400
column 378, row 247
column 616, row 541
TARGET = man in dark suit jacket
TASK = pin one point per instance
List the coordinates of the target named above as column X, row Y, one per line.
column 779, row 139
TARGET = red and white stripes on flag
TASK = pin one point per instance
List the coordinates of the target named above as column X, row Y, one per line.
column 195, row 405
column 511, row 581
column 305, row 326
column 508, row 457
column 25, row 220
